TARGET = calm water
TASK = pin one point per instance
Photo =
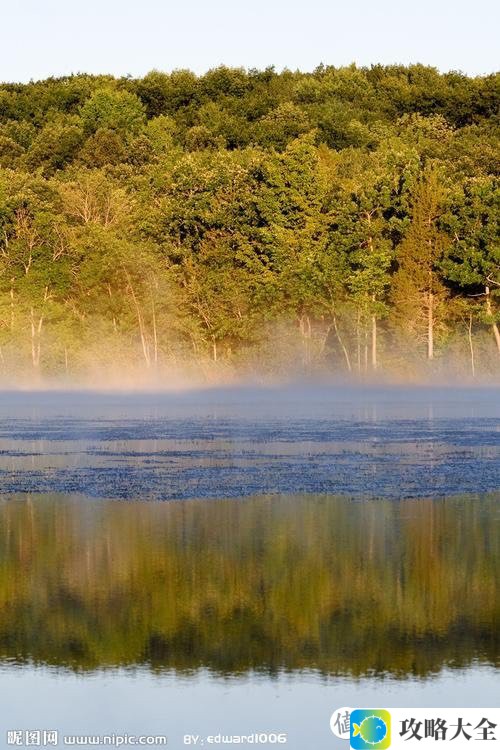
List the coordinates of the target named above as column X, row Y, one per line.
column 320, row 548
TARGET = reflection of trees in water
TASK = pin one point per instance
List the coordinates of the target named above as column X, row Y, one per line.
column 283, row 583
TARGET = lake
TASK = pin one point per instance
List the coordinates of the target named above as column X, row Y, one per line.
column 246, row 560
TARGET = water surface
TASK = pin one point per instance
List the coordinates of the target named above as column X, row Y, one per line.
column 219, row 561
column 386, row 442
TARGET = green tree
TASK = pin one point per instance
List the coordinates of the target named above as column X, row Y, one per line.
column 418, row 291
column 113, row 110
column 55, row 146
column 474, row 260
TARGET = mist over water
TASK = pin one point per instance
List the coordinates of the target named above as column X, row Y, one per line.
column 342, row 398
column 388, row 442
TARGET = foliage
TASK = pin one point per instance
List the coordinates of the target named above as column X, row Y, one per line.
column 175, row 217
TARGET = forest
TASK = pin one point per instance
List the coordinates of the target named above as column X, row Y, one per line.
column 343, row 222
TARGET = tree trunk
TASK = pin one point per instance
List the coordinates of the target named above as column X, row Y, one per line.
column 430, row 326
column 374, row 343
column 12, row 304
column 142, row 327
column 306, row 333
column 358, row 341
column 471, row 347
column 155, row 336
column 365, row 347
column 115, row 327
column 308, row 340
column 346, row 353
column 154, row 283
column 494, row 325
column 36, row 343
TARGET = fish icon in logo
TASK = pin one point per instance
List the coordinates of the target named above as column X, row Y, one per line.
column 370, row 729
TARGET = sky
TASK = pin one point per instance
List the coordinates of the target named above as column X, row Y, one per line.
column 42, row 38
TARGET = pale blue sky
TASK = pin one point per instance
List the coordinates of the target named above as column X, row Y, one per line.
column 56, row 37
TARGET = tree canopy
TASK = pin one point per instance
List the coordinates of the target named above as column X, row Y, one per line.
column 344, row 220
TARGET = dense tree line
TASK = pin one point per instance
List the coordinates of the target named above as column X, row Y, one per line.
column 344, row 219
